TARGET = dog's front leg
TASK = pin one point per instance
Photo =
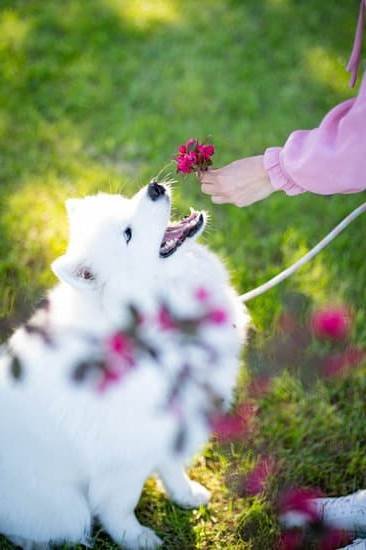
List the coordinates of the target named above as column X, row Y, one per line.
column 114, row 497
column 183, row 491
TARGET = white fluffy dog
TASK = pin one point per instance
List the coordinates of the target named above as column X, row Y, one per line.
column 68, row 454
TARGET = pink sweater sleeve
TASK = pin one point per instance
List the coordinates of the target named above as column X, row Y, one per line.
column 326, row 160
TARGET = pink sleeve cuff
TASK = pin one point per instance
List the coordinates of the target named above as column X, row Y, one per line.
column 278, row 177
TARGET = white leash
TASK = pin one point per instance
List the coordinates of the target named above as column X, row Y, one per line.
column 308, row 256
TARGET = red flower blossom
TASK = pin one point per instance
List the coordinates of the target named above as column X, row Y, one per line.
column 338, row 364
column 291, row 540
column 120, row 360
column 202, row 295
column 194, row 156
column 331, row 323
column 217, row 317
column 165, row 320
column 109, row 378
column 184, row 165
column 120, row 344
column 256, row 480
column 301, row 501
column 206, row 151
column 231, row 427
column 228, row 427
column 355, row 356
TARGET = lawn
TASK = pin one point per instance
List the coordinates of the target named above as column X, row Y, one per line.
column 96, row 96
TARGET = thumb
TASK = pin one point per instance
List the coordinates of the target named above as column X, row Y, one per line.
column 207, row 176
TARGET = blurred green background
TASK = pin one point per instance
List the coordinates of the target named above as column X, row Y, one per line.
column 96, row 95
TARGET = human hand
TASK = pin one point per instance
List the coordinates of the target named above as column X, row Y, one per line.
column 242, row 182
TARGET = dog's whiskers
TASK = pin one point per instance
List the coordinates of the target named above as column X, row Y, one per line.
column 164, row 172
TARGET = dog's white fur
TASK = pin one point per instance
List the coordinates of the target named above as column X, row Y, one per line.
column 69, row 455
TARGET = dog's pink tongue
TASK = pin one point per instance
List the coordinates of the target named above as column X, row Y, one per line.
column 176, row 231
column 173, row 233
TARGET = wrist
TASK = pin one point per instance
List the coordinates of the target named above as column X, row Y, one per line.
column 263, row 176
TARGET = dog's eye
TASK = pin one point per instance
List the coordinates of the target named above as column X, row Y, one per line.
column 127, row 234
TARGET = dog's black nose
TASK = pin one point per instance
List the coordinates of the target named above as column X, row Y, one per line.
column 155, row 190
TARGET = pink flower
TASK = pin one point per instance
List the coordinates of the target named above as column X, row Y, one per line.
column 120, row 343
column 301, row 501
column 256, row 480
column 184, row 165
column 165, row 320
column 202, row 295
column 206, row 151
column 109, row 378
column 230, row 427
column 194, row 156
column 338, row 364
column 291, row 540
column 355, row 356
column 332, row 323
column 120, row 359
column 217, row 317
column 121, row 346
column 335, row 365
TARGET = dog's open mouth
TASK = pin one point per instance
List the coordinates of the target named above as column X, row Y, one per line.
column 177, row 232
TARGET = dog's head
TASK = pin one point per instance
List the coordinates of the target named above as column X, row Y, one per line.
column 123, row 246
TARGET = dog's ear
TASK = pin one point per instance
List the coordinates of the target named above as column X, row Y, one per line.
column 74, row 273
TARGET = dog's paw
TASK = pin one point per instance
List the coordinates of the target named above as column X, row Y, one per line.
column 197, row 496
column 144, row 540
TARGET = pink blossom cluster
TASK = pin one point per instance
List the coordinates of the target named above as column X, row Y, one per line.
column 211, row 315
column 314, row 532
column 234, row 426
column 256, row 480
column 194, row 156
column 120, row 360
column 333, row 323
column 121, row 349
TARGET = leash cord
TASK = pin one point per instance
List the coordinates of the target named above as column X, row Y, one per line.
column 308, row 256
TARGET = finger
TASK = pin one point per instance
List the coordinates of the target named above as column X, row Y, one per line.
column 209, row 188
column 207, row 176
column 219, row 199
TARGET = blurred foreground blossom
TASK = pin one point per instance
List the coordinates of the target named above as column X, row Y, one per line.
column 296, row 506
column 255, row 482
column 310, row 344
column 231, row 427
column 333, row 323
column 303, row 525
column 340, row 363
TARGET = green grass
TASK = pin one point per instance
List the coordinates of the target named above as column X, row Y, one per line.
column 95, row 96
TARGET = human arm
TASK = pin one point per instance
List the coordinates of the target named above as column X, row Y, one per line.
column 326, row 160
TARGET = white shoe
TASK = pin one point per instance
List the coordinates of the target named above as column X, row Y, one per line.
column 358, row 544
column 347, row 513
